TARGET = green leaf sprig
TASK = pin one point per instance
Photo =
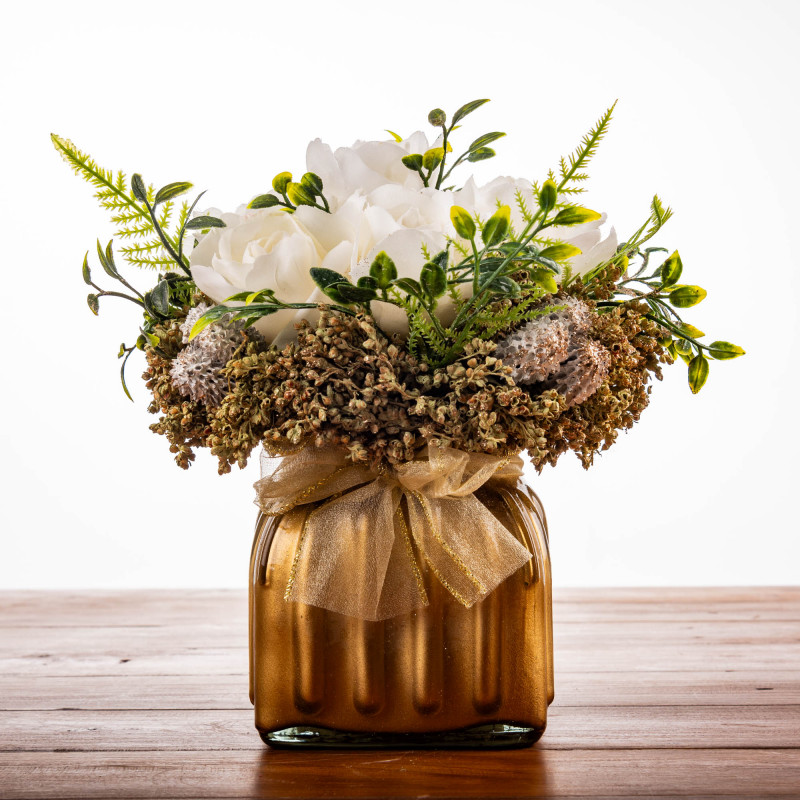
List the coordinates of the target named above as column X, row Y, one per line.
column 434, row 160
column 289, row 194
column 664, row 295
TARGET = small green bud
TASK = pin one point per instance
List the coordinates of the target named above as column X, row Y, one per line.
column 313, row 182
column 437, row 117
column 548, row 195
column 462, row 222
column 94, row 304
column 299, row 194
column 432, row 158
column 281, row 181
column 496, row 227
column 413, row 161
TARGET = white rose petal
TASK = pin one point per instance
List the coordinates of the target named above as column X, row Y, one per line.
column 595, row 246
column 265, row 249
column 364, row 167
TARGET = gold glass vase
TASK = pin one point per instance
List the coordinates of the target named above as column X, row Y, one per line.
column 442, row 675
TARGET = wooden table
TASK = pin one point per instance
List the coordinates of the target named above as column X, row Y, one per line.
column 659, row 693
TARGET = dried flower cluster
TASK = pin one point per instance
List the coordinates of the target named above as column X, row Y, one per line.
column 630, row 342
column 345, row 383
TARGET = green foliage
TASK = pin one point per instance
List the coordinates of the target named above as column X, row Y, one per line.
column 496, row 227
column 671, row 270
column 575, row 215
column 663, row 296
column 723, row 351
column 686, row 296
column 698, row 373
column 305, row 192
column 571, row 169
column 149, row 239
column 431, row 164
column 383, row 271
column 462, row 222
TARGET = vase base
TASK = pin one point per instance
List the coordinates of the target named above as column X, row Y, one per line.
column 494, row 736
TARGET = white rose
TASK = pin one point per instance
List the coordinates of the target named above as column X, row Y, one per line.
column 272, row 249
column 365, row 166
column 264, row 249
column 354, row 234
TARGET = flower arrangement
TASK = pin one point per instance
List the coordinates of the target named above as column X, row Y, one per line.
column 378, row 306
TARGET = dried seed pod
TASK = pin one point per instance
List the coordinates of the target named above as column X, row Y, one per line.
column 582, row 373
column 535, row 351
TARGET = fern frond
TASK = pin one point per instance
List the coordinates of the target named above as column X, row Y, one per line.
column 131, row 219
column 523, row 206
column 150, row 254
column 522, row 312
column 569, row 169
column 572, row 190
column 166, row 214
column 183, row 214
column 423, row 335
column 111, row 189
column 151, row 263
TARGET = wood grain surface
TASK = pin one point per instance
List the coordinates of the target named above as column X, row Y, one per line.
column 660, row 693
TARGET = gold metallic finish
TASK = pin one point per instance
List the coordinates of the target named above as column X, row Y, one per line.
column 438, row 669
column 369, row 679
column 308, row 656
column 488, row 654
column 427, row 649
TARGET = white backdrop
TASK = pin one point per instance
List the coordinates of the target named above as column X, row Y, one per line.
column 702, row 491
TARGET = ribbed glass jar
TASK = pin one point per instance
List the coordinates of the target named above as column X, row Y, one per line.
column 443, row 675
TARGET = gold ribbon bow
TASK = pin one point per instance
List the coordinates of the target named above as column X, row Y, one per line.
column 355, row 555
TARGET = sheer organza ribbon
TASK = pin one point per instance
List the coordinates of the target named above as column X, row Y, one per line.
column 355, row 555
